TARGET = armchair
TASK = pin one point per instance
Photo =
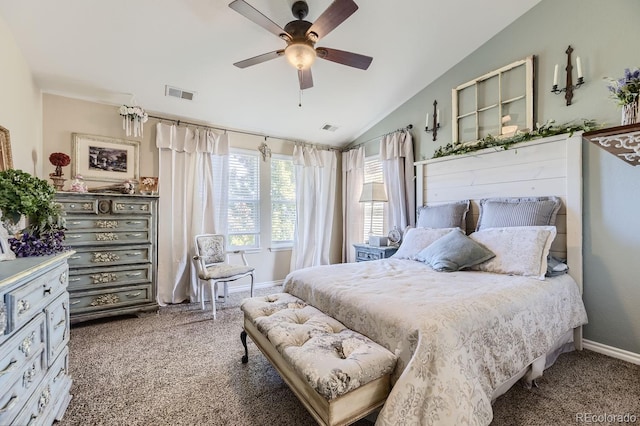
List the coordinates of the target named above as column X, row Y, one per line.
column 213, row 267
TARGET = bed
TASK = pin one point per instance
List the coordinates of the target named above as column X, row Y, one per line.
column 463, row 338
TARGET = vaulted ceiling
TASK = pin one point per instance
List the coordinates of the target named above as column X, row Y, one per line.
column 124, row 52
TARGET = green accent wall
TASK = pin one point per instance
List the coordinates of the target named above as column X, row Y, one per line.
column 606, row 36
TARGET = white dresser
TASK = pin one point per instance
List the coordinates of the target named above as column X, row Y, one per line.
column 113, row 271
column 34, row 336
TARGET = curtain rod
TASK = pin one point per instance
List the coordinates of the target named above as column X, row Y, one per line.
column 407, row 127
column 178, row 122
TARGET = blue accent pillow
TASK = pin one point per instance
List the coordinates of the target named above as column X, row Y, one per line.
column 453, row 252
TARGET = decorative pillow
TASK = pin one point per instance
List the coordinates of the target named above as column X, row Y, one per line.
column 415, row 239
column 519, row 250
column 556, row 266
column 450, row 215
column 525, row 211
column 453, row 252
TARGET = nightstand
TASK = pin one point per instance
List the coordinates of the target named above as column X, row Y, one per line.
column 365, row 252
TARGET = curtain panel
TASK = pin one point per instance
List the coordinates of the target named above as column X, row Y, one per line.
column 193, row 177
column 352, row 209
column 396, row 154
column 315, row 172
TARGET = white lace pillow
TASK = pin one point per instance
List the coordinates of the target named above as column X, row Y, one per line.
column 519, row 250
column 415, row 239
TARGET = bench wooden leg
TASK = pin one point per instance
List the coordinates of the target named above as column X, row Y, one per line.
column 243, row 338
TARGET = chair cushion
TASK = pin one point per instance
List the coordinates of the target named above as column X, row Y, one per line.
column 217, row 272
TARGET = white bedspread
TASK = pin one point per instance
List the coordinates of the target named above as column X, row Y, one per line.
column 457, row 335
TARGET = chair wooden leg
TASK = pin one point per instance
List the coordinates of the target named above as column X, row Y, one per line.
column 214, row 297
column 251, row 285
column 200, row 294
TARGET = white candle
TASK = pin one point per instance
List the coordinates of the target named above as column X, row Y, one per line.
column 427, row 121
column 438, row 116
column 579, row 67
column 555, row 75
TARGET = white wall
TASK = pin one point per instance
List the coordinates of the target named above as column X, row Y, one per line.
column 20, row 106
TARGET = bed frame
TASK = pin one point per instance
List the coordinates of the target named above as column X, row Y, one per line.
column 549, row 166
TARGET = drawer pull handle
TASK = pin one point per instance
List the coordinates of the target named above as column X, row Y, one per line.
column 133, row 222
column 47, row 291
column 33, row 419
column 76, row 223
column 73, row 280
column 73, row 236
column 73, row 206
column 10, row 367
column 75, row 302
column 134, row 294
column 58, row 325
column 60, row 374
column 134, row 235
column 136, row 253
column 10, row 404
column 134, row 274
column 74, row 257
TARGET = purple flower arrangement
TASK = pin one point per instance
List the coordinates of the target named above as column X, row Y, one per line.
column 30, row 244
column 626, row 89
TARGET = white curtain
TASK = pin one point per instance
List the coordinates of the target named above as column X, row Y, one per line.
column 396, row 154
column 315, row 172
column 352, row 209
column 194, row 170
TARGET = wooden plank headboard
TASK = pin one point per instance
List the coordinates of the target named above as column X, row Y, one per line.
column 549, row 166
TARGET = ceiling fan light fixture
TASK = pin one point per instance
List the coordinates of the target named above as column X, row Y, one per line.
column 300, row 55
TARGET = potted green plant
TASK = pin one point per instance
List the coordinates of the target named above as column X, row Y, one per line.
column 24, row 195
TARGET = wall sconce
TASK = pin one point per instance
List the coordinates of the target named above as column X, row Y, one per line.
column 436, row 121
column 264, row 150
column 570, row 87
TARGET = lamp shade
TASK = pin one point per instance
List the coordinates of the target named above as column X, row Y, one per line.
column 373, row 192
column 300, row 55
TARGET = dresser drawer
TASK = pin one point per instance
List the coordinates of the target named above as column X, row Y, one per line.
column 19, row 351
column 364, row 255
column 107, row 223
column 92, row 257
column 57, row 326
column 100, row 237
column 136, row 206
column 110, row 298
column 82, row 279
column 79, row 206
column 44, row 404
column 19, row 391
column 24, row 302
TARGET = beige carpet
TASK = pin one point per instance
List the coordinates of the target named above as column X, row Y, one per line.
column 179, row 367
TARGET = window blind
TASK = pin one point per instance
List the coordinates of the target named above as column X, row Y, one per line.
column 243, row 216
column 283, row 202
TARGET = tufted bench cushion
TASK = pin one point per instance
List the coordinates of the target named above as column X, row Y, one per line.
column 331, row 358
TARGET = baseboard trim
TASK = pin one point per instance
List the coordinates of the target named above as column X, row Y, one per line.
column 628, row 356
column 247, row 287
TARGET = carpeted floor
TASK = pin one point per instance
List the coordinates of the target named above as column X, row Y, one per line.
column 179, row 367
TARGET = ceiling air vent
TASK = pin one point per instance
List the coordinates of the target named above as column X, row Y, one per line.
column 178, row 93
column 330, row 127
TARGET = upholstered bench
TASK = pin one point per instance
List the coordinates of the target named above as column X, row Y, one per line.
column 339, row 375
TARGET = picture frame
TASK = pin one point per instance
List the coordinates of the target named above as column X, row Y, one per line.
column 101, row 158
column 6, row 159
column 5, row 247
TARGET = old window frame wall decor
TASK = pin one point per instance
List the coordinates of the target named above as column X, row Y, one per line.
column 480, row 105
column 83, row 144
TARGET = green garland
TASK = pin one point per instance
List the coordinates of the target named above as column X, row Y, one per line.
column 547, row 129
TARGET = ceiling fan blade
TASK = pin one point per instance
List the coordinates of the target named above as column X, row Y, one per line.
column 251, row 13
column 259, row 59
column 334, row 15
column 305, row 78
column 345, row 58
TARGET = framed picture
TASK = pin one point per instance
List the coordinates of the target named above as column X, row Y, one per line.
column 5, row 249
column 6, row 160
column 99, row 158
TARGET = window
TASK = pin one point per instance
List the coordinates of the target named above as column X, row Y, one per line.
column 498, row 103
column 373, row 221
column 243, row 215
column 283, row 201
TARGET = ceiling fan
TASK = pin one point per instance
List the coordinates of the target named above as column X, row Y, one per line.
column 301, row 37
